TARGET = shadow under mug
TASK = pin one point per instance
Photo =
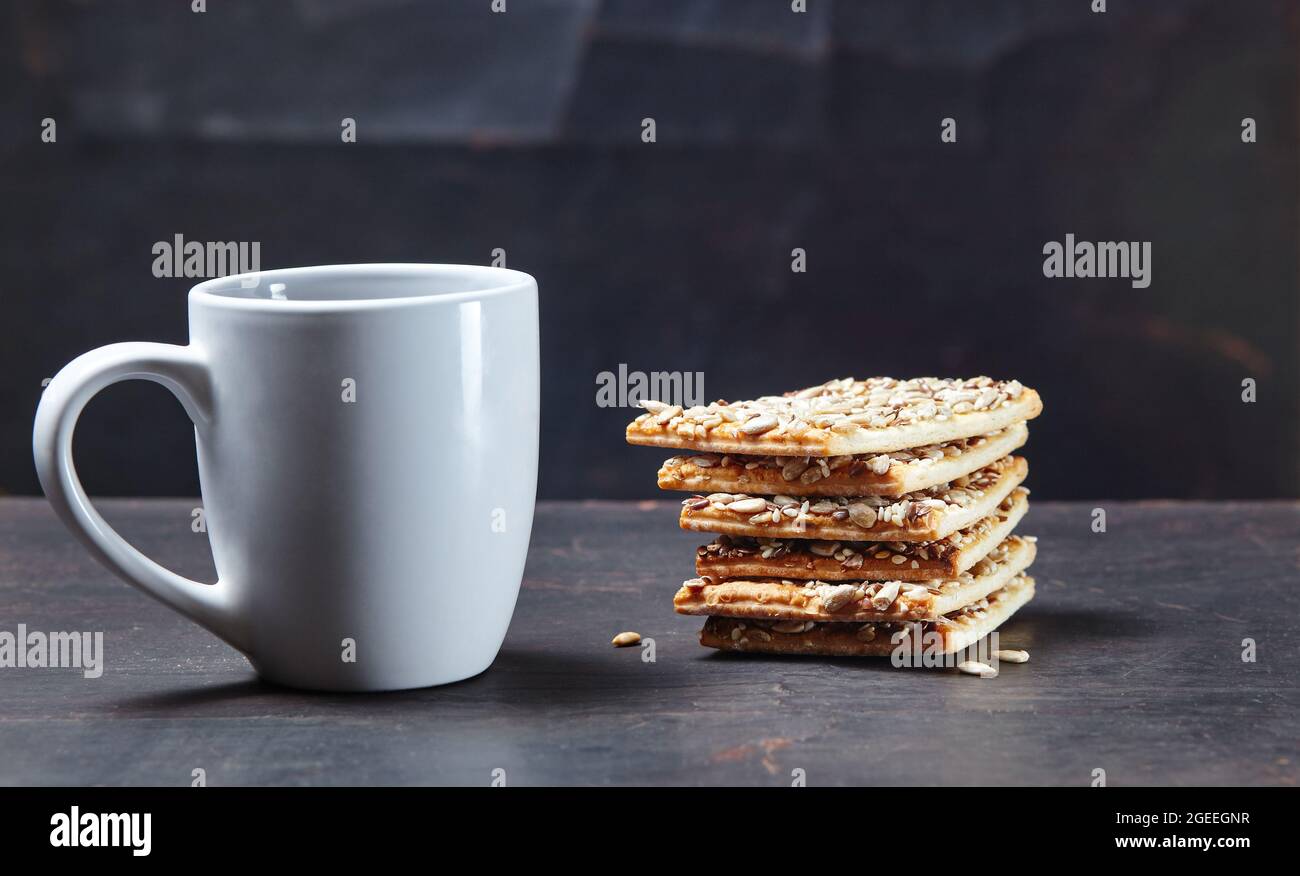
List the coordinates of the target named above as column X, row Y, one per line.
column 367, row 447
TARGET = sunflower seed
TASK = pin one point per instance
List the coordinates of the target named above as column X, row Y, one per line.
column 623, row 640
column 758, row 425
column 885, row 595
column 1012, row 656
column 836, row 596
column 794, row 468
column 863, row 515
column 824, row 548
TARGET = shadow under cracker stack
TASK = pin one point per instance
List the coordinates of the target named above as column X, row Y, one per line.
column 849, row 510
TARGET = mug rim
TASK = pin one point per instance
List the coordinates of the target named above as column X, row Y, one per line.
column 507, row 280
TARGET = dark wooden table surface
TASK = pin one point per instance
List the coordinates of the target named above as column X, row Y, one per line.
column 1136, row 638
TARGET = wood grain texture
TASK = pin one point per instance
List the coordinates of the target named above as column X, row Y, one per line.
column 1135, row 636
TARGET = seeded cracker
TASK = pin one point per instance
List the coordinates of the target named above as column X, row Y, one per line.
column 855, row 601
column 742, row 556
column 926, row 515
column 957, row 630
column 852, row 515
column 841, row 417
column 880, row 474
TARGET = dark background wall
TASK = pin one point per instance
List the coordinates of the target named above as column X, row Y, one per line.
column 775, row 130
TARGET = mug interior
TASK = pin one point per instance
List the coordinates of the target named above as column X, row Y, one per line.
column 379, row 282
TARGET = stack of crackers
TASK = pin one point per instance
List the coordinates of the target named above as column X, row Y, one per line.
column 852, row 514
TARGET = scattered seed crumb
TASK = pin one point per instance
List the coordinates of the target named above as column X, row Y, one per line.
column 974, row 667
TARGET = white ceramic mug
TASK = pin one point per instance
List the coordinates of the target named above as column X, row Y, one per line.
column 367, row 446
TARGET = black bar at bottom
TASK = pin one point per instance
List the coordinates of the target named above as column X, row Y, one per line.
column 221, row 824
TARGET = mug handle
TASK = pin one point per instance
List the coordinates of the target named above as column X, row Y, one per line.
column 184, row 371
